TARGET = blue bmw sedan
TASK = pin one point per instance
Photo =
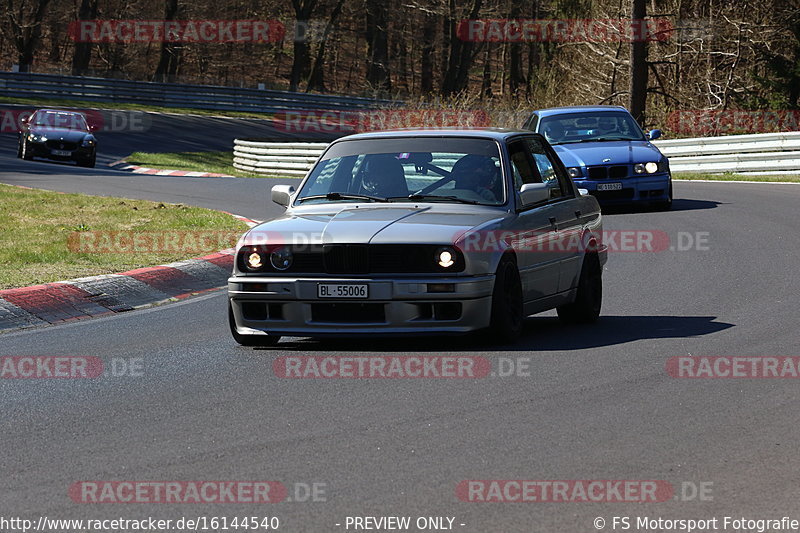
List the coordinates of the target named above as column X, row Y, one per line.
column 607, row 153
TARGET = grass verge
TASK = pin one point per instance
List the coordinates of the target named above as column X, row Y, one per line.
column 56, row 236
column 217, row 162
column 730, row 176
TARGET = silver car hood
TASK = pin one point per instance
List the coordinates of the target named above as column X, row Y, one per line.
column 392, row 224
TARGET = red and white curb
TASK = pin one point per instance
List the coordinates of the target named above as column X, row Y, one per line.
column 84, row 298
column 122, row 165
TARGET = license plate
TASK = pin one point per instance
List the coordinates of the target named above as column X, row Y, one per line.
column 63, row 153
column 338, row 290
column 609, row 186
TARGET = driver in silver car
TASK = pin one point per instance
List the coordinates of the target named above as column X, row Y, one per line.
column 478, row 173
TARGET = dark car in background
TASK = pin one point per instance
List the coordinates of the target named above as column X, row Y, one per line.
column 607, row 153
column 58, row 135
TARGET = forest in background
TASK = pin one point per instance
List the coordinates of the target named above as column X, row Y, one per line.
column 719, row 56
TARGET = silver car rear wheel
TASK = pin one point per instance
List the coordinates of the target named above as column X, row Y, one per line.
column 589, row 298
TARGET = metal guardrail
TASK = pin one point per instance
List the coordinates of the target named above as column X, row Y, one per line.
column 29, row 85
column 763, row 153
column 275, row 158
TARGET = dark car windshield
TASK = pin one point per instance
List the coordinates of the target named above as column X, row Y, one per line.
column 59, row 120
column 591, row 126
column 408, row 169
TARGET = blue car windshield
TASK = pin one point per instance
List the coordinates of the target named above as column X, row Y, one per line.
column 408, row 169
column 591, row 126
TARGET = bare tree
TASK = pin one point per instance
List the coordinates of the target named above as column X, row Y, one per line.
column 303, row 10
column 25, row 28
column 167, row 69
column 638, row 68
column 378, row 46
column 82, row 54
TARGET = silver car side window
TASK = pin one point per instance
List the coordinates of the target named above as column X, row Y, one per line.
column 546, row 167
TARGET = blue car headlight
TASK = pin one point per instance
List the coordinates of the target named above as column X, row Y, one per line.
column 88, row 143
column 574, row 172
column 651, row 167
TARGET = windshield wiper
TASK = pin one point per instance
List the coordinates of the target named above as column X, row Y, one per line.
column 434, row 197
column 343, row 196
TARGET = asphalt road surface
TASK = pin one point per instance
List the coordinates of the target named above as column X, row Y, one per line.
column 594, row 402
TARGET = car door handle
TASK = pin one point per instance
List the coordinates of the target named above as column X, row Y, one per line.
column 577, row 213
column 553, row 222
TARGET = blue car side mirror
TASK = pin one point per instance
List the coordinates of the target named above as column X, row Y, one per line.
column 653, row 134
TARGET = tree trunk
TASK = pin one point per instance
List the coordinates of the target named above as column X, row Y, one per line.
column 26, row 34
column 638, row 71
column 316, row 80
column 170, row 52
column 462, row 53
column 302, row 55
column 83, row 51
column 428, row 46
column 516, row 76
column 378, row 46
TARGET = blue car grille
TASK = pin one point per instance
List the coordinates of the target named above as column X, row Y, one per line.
column 613, row 172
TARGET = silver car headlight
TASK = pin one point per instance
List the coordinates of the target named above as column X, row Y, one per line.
column 254, row 260
column 574, row 172
column 445, row 257
column 37, row 138
column 281, row 259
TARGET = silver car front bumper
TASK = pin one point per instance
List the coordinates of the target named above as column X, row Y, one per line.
column 290, row 306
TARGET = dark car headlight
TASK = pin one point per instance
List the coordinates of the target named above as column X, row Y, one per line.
column 88, row 143
column 574, row 172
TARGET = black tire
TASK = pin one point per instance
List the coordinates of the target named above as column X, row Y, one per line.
column 250, row 340
column 24, row 153
column 666, row 205
column 589, row 298
column 507, row 309
column 88, row 163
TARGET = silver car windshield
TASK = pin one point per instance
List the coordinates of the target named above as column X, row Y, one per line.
column 595, row 126
column 408, row 169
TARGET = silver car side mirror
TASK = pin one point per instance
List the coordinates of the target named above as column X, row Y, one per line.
column 282, row 194
column 534, row 193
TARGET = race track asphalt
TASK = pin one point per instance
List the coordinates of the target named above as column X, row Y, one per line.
column 595, row 403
